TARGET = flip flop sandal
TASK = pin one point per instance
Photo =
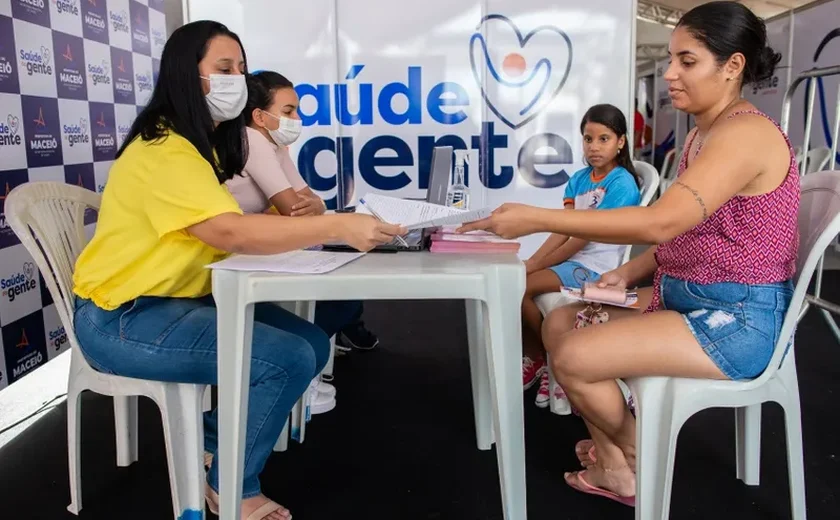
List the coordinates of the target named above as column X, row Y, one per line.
column 580, row 484
column 260, row 513
column 264, row 510
column 208, row 460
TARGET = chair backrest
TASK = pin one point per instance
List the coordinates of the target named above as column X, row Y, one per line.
column 817, row 160
column 650, row 185
column 668, row 162
column 819, row 223
column 49, row 220
column 650, row 180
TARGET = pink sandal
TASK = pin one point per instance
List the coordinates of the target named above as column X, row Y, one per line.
column 580, row 484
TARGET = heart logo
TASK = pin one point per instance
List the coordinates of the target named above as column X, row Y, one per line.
column 14, row 123
column 105, row 67
column 29, row 270
column 45, row 53
column 83, row 125
column 519, row 75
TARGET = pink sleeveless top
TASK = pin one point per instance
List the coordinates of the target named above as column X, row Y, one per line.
column 750, row 239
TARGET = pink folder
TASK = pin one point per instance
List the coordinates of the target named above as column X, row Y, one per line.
column 446, row 246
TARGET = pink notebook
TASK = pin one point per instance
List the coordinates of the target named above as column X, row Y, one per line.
column 487, row 238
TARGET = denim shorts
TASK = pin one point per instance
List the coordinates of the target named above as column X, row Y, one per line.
column 574, row 274
column 737, row 324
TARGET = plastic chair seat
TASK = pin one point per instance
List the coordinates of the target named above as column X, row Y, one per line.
column 663, row 404
column 48, row 217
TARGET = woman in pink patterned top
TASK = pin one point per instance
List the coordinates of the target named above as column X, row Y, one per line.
column 725, row 238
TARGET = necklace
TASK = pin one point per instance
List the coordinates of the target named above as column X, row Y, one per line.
column 715, row 120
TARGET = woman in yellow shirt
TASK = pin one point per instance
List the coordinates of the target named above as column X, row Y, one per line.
column 143, row 306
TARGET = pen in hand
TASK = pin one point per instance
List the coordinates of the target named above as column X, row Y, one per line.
column 380, row 219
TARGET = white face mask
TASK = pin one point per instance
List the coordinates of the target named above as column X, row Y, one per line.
column 227, row 97
column 288, row 131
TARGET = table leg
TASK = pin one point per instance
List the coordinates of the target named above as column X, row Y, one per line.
column 300, row 412
column 505, row 289
column 235, row 325
column 479, row 370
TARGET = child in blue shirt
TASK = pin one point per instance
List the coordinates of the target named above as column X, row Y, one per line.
column 609, row 182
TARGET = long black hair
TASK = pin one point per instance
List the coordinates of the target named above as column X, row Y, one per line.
column 261, row 89
column 178, row 103
column 726, row 28
column 611, row 117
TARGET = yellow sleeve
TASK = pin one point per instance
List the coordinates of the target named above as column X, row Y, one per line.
column 184, row 190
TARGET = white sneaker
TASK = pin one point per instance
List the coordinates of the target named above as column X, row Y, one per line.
column 543, row 394
column 325, row 389
column 561, row 405
column 321, row 402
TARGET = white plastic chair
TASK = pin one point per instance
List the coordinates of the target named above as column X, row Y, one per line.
column 48, row 218
column 667, row 167
column 550, row 301
column 817, row 160
column 663, row 404
column 650, row 181
column 295, row 428
column 669, row 174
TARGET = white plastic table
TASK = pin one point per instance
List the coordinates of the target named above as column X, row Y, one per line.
column 491, row 285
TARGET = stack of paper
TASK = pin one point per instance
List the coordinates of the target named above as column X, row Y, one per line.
column 416, row 214
column 293, row 262
column 473, row 242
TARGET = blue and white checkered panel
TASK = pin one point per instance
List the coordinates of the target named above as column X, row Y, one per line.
column 74, row 74
column 4, row 377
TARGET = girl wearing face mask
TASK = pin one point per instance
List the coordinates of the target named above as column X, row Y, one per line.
column 270, row 179
column 143, row 295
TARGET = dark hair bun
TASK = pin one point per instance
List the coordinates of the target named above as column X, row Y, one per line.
column 764, row 66
column 726, row 28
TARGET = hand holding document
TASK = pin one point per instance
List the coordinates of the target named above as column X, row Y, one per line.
column 591, row 293
column 416, row 214
column 376, row 215
column 453, row 220
column 293, row 262
column 509, row 220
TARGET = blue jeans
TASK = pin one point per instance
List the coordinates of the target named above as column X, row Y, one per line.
column 736, row 324
column 334, row 316
column 174, row 340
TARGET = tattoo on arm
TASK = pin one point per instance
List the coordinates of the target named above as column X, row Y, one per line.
column 697, row 197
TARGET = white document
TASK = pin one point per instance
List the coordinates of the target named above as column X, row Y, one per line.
column 415, row 214
column 293, row 262
column 454, row 220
